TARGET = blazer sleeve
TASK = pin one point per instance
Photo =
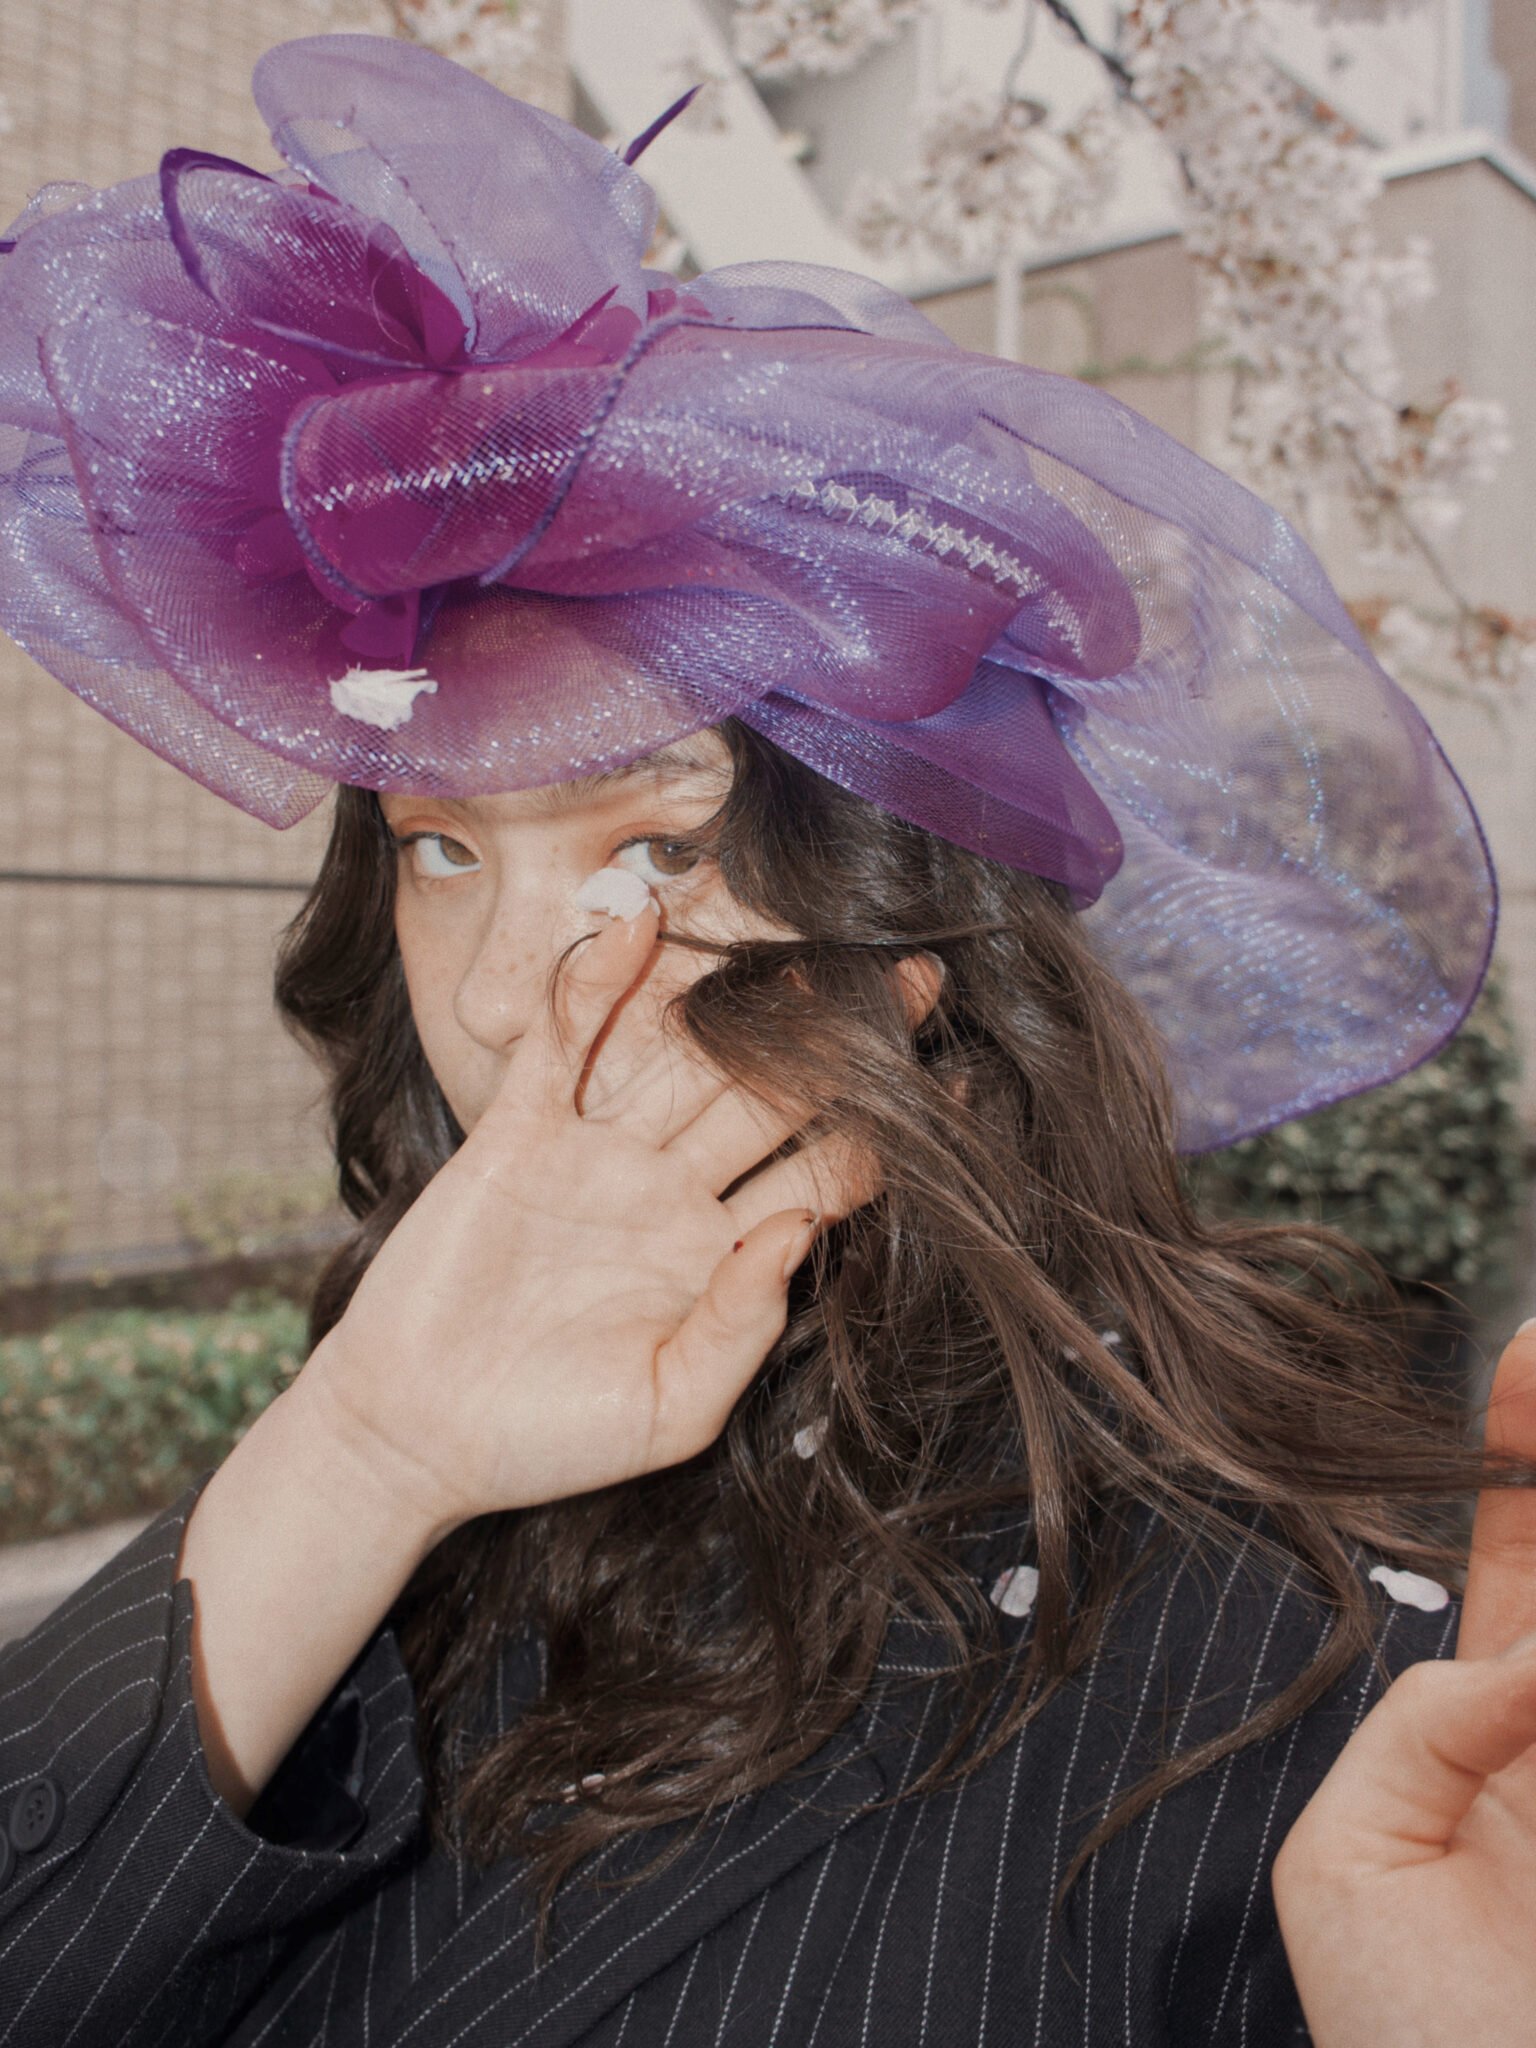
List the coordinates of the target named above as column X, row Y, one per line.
column 135, row 1905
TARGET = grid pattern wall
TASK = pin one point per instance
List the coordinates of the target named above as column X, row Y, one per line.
column 151, row 1094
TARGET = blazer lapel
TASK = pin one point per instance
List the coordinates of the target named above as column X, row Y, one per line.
column 607, row 1939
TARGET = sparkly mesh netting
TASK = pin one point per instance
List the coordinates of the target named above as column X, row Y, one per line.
column 417, row 409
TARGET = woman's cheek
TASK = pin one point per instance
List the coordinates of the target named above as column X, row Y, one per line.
column 430, row 982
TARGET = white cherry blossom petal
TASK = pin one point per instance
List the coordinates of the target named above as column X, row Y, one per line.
column 1411, row 1588
column 1013, row 1591
column 616, row 892
column 384, row 697
column 806, row 1442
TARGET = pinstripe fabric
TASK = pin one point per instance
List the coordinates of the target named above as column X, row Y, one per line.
column 827, row 1912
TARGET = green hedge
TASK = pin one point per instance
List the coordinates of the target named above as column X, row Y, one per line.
column 114, row 1413
column 1431, row 1173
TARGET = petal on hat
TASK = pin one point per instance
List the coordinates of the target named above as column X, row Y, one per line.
column 298, row 265
column 518, row 216
column 111, row 248
column 535, row 689
column 989, row 772
column 423, row 479
column 57, row 603
column 773, row 294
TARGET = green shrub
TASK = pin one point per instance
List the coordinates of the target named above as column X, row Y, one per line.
column 1430, row 1173
column 115, row 1412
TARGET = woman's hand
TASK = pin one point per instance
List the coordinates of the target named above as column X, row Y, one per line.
column 1407, row 1890
column 570, row 1302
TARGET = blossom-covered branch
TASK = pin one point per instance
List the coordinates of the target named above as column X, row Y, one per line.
column 494, row 37
column 989, row 175
column 777, row 38
column 1277, row 193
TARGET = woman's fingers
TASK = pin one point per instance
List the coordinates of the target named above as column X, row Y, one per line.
column 657, row 1098
column 703, row 1368
column 1408, row 1776
column 730, row 1134
column 1500, row 1604
column 548, row 1060
column 831, row 1177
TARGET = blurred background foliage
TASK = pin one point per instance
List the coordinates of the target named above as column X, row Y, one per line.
column 246, row 1214
column 114, row 1413
column 1430, row 1174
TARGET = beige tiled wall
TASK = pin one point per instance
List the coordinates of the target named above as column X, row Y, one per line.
column 142, row 1060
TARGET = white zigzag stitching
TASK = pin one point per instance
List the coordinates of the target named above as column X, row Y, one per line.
column 880, row 515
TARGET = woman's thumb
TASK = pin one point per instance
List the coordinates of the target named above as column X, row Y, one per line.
column 746, row 1292
column 1408, row 1775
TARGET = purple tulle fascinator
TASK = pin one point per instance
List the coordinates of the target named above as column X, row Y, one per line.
column 400, row 469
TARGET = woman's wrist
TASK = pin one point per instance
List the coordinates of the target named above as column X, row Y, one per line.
column 295, row 1552
column 397, row 1495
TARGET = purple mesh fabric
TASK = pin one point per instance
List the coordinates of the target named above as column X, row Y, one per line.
column 415, row 410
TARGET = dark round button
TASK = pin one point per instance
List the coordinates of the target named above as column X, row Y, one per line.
column 7, row 1857
column 35, row 1813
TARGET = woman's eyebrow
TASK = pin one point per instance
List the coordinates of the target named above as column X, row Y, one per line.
column 560, row 798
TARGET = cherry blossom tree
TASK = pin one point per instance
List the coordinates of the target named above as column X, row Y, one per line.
column 777, row 38
column 497, row 38
column 1276, row 192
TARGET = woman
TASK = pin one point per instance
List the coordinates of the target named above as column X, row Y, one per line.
column 790, row 1529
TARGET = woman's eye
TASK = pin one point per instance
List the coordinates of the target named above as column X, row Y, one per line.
column 658, row 860
column 434, row 854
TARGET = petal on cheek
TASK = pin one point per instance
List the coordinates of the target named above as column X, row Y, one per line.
column 616, row 892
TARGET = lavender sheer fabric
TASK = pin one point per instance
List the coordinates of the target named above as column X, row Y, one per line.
column 402, row 470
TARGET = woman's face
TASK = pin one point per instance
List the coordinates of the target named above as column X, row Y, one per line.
column 484, row 900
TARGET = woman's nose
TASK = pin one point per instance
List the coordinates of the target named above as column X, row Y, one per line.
column 505, row 982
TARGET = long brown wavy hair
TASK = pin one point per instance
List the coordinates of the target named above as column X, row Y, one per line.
column 705, row 1629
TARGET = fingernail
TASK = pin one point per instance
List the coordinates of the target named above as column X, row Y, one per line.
column 1528, row 1324
column 801, row 1243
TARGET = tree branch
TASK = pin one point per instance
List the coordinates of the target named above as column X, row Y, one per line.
column 1118, row 69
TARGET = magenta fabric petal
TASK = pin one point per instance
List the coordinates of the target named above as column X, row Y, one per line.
column 989, row 769
column 298, row 266
column 462, row 174
column 442, row 474
column 110, row 248
column 58, row 604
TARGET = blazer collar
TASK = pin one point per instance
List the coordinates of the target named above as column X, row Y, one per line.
column 483, row 1987
column 488, row 1989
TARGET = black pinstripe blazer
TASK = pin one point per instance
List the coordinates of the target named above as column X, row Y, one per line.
column 817, row 1915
